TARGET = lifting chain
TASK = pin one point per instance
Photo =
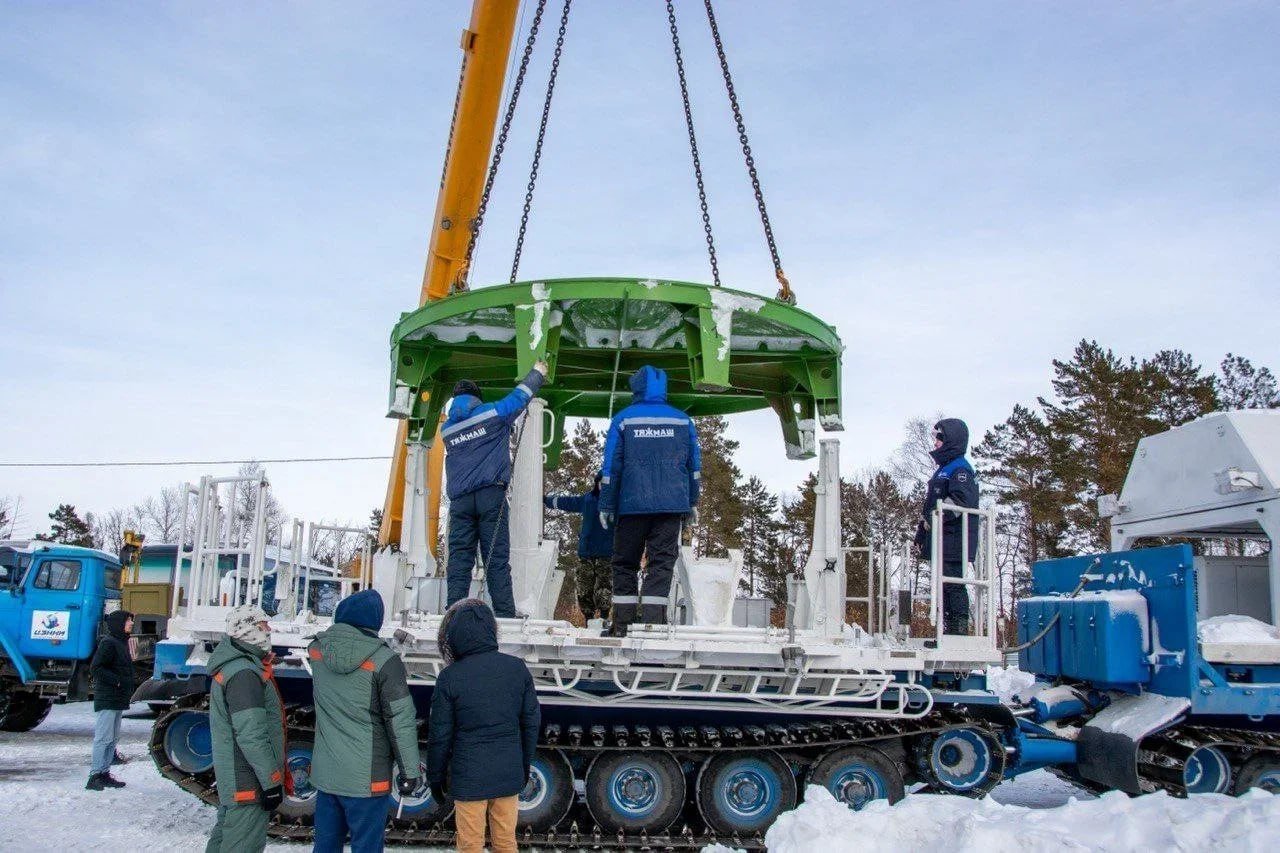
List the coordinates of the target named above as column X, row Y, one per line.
column 542, row 133
column 460, row 283
column 693, row 143
column 785, row 293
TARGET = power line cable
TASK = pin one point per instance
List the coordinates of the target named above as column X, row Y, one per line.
column 178, row 463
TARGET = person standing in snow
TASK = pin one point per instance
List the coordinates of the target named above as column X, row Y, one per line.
column 484, row 728
column 595, row 548
column 477, row 458
column 651, row 480
column 246, row 720
column 954, row 482
column 366, row 725
column 112, row 670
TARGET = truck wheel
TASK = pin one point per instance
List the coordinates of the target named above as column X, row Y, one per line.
column 634, row 792
column 188, row 742
column 1261, row 771
column 547, row 797
column 302, row 802
column 26, row 711
column 743, row 794
column 856, row 775
column 1207, row 771
column 965, row 761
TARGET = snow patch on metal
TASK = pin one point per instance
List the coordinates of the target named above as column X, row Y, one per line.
column 723, row 304
column 460, row 334
column 1138, row 716
column 649, row 283
column 831, row 423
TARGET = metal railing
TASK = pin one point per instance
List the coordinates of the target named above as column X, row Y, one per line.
column 978, row 574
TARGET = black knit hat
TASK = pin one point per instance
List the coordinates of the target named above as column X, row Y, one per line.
column 466, row 386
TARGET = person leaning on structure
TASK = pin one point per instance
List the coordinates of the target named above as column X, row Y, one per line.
column 477, row 457
column 112, row 670
column 246, row 720
column 484, row 728
column 595, row 549
column 365, row 726
column 652, row 470
column 954, row 482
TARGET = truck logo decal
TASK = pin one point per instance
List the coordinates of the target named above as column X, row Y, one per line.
column 50, row 624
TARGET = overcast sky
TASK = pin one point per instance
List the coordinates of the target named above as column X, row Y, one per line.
column 212, row 214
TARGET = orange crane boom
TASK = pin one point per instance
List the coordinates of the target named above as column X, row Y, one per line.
column 486, row 48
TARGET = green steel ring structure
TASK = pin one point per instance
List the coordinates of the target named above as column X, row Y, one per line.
column 724, row 351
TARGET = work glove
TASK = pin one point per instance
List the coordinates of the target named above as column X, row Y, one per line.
column 606, row 519
column 272, row 798
column 415, row 788
column 542, row 367
column 438, row 794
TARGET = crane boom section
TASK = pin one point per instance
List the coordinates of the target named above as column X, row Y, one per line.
column 486, row 47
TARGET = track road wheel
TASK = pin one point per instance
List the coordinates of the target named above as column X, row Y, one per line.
column 547, row 796
column 26, row 711
column 1261, row 771
column 424, row 809
column 188, row 742
column 742, row 794
column 966, row 761
column 634, row 792
column 301, row 804
column 1207, row 771
column 856, row 775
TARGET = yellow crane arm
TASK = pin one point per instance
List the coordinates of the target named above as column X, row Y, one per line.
column 486, row 47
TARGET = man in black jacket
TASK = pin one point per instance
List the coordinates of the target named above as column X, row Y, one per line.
column 954, row 482
column 112, row 670
column 484, row 728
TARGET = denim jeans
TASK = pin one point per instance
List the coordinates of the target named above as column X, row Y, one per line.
column 106, row 732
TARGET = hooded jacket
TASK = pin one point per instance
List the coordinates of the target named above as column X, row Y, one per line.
column 484, row 711
column 366, row 723
column 477, row 435
column 112, row 666
column 955, row 482
column 594, row 542
column 652, row 461
column 246, row 720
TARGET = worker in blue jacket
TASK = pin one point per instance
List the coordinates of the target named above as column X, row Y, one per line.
column 652, row 466
column 477, row 459
column 954, row 482
column 595, row 549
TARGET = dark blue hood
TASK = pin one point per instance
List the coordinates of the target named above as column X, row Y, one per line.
column 955, row 440
column 468, row 628
column 462, row 405
column 649, row 385
column 362, row 610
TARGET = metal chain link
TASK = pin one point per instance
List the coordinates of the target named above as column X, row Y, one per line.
column 693, row 143
column 542, row 133
column 453, row 122
column 460, row 283
column 785, row 293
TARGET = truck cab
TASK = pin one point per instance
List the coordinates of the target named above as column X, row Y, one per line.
column 52, row 599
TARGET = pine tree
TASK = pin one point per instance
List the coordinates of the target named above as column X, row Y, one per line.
column 68, row 528
column 790, row 547
column 1177, row 391
column 760, row 529
column 1240, row 385
column 721, row 506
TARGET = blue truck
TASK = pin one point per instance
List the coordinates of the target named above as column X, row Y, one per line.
column 52, row 601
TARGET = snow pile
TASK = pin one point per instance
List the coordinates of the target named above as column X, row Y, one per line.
column 948, row 824
column 1008, row 681
column 1237, row 629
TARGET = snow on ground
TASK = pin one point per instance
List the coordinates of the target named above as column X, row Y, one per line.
column 1112, row 822
column 43, row 806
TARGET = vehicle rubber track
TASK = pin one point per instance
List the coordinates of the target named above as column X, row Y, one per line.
column 799, row 742
column 1162, row 758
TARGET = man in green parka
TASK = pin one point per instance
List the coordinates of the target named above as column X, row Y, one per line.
column 247, row 724
column 365, row 726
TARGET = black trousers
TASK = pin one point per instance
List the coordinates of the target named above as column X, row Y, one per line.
column 479, row 519
column 955, row 600
column 657, row 538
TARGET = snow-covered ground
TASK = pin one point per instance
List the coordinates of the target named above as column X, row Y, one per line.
column 43, row 806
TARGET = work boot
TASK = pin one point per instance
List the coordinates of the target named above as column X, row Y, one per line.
column 617, row 628
column 117, row 759
column 109, row 780
column 94, row 783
